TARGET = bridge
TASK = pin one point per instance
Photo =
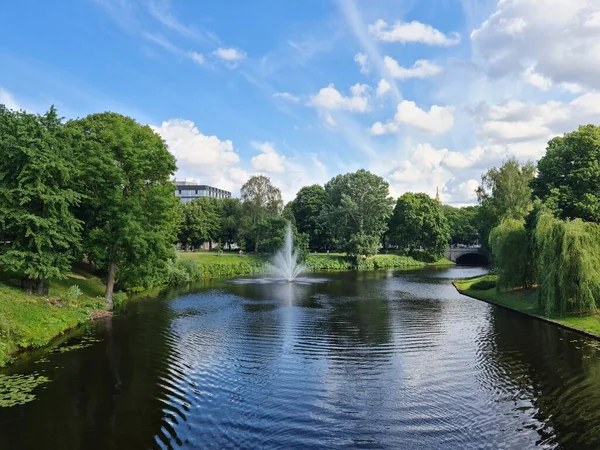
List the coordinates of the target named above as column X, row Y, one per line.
column 470, row 256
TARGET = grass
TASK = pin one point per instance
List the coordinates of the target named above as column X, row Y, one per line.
column 525, row 300
column 30, row 321
column 442, row 262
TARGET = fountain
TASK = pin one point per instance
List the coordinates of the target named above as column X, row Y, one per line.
column 285, row 262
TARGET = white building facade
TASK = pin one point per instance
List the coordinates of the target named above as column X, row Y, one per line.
column 188, row 191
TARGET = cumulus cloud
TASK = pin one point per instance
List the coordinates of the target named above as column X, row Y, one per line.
column 8, row 100
column 287, row 97
column 438, row 120
column 207, row 159
column 420, row 69
column 383, row 87
column 229, row 54
column 269, row 160
column 196, row 57
column 332, row 99
column 363, row 61
column 561, row 40
column 414, row 31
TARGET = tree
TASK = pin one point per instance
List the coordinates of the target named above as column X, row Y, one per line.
column 512, row 257
column 505, row 193
column 260, row 199
column 418, row 223
column 231, row 211
column 36, row 197
column 201, row 222
column 462, row 223
column 307, row 207
column 569, row 174
column 357, row 210
column 130, row 213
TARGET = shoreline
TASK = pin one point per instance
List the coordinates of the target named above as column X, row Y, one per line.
column 507, row 300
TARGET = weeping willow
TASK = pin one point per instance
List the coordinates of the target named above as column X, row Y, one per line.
column 568, row 264
column 510, row 249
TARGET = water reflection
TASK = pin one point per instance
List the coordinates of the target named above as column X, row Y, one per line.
column 371, row 359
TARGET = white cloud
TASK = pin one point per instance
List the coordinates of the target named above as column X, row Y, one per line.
column 205, row 158
column 537, row 80
column 414, row 31
column 363, row 61
column 8, row 100
column 420, row 69
column 196, row 57
column 229, row 54
column 438, row 120
column 287, row 97
column 330, row 98
column 383, row 87
column 465, row 192
column 269, row 160
column 560, row 39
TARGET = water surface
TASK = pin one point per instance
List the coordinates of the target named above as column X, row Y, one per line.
column 361, row 360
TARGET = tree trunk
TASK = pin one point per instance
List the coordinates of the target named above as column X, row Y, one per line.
column 110, row 285
column 42, row 286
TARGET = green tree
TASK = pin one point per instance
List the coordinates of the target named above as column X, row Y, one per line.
column 462, row 223
column 260, row 199
column 510, row 248
column 36, row 197
column 357, row 210
column 307, row 207
column 419, row 223
column 130, row 213
column 201, row 222
column 505, row 193
column 231, row 212
column 569, row 174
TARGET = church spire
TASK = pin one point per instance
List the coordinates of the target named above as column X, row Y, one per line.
column 437, row 196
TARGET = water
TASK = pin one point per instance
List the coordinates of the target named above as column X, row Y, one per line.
column 364, row 360
column 285, row 261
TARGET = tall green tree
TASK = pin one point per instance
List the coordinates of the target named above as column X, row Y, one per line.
column 201, row 222
column 509, row 244
column 260, row 199
column 37, row 200
column 307, row 207
column 130, row 213
column 462, row 223
column 419, row 223
column 231, row 213
column 569, row 174
column 505, row 193
column 357, row 210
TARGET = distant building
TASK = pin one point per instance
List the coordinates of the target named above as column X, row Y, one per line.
column 187, row 191
column 438, row 200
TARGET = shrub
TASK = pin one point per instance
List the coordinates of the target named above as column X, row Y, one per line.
column 483, row 285
column 72, row 294
column 191, row 268
column 119, row 299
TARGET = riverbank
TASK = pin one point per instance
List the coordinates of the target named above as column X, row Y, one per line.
column 213, row 265
column 30, row 321
column 524, row 301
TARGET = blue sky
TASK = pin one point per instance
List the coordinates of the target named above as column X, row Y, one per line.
column 425, row 93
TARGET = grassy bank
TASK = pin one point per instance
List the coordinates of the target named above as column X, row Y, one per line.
column 211, row 265
column 30, row 321
column 525, row 301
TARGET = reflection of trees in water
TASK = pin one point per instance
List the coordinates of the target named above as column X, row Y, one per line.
column 528, row 361
column 105, row 396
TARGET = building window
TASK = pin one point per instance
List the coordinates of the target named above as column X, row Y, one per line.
column 196, row 191
column 179, row 191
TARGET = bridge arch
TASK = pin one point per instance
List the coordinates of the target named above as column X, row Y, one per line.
column 471, row 259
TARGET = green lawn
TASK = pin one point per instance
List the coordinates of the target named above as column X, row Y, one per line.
column 30, row 321
column 525, row 300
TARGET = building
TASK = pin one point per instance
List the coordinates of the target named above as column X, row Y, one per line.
column 187, row 191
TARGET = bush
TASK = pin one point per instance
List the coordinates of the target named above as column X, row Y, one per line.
column 191, row 268
column 72, row 295
column 483, row 285
column 119, row 299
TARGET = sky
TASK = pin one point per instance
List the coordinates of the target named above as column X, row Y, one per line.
column 425, row 93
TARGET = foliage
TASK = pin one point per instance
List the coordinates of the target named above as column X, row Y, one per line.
column 462, row 223
column 17, row 389
column 569, row 174
column 201, row 222
column 568, row 255
column 130, row 212
column 419, row 223
column 357, row 210
column 483, row 285
column 36, row 197
column 505, row 193
column 72, row 294
column 307, row 207
column 231, row 211
column 510, row 248
column 260, row 200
